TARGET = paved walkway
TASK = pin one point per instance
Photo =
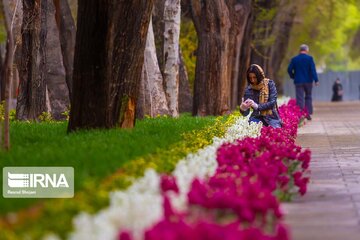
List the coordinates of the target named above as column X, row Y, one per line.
column 331, row 208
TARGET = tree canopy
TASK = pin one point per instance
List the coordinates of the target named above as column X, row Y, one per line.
column 328, row 27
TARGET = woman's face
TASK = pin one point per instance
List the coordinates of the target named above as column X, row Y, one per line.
column 252, row 78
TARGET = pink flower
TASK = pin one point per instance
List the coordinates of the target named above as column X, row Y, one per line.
column 238, row 201
column 168, row 183
column 301, row 182
column 124, row 235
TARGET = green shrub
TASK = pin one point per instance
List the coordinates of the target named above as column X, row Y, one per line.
column 188, row 45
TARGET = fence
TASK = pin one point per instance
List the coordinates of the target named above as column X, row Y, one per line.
column 349, row 80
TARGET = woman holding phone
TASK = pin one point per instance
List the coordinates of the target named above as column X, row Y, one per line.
column 261, row 96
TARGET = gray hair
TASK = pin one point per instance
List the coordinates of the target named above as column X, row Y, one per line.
column 304, row 47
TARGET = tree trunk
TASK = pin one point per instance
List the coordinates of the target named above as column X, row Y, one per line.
column 281, row 30
column 55, row 71
column 171, row 54
column 2, row 79
column 15, row 83
column 67, row 32
column 32, row 90
column 108, row 64
column 152, row 99
column 7, row 75
column 185, row 97
column 142, row 109
column 17, row 25
column 262, row 38
column 271, row 36
column 159, row 29
column 12, row 11
column 212, row 83
column 239, row 13
column 6, row 14
column 245, row 56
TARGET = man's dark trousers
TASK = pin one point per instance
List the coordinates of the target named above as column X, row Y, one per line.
column 303, row 96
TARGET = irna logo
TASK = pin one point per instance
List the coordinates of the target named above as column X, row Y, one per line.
column 19, row 180
column 38, row 182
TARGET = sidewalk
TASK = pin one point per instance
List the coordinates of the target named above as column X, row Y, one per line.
column 330, row 210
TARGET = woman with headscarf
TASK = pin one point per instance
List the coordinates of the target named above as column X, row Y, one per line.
column 337, row 91
column 261, row 96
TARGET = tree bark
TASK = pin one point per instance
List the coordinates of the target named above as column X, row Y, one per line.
column 185, row 97
column 6, row 13
column 55, row 72
column 12, row 11
column 212, row 83
column 142, row 109
column 7, row 75
column 159, row 28
column 17, row 25
column 262, row 38
column 245, row 56
column 152, row 99
column 2, row 79
column 239, row 12
column 32, row 90
column 282, row 28
column 67, row 33
column 269, row 54
column 108, row 64
column 171, row 54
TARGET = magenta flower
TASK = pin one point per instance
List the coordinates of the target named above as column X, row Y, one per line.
column 238, row 201
column 168, row 183
column 125, row 235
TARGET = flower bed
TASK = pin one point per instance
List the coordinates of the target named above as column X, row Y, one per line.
column 36, row 221
column 140, row 206
column 231, row 188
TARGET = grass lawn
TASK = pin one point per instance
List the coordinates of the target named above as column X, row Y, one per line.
column 93, row 154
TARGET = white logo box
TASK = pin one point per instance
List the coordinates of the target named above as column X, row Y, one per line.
column 38, row 182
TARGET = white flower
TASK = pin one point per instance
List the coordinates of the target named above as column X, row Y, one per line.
column 51, row 236
column 140, row 206
column 135, row 209
column 242, row 128
column 283, row 100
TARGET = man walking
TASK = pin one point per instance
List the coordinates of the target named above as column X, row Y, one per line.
column 302, row 70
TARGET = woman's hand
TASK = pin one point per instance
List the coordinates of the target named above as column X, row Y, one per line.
column 245, row 105
column 254, row 105
column 250, row 103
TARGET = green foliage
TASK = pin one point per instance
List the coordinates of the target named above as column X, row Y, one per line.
column 2, row 111
column 328, row 27
column 66, row 114
column 179, row 137
column 2, row 29
column 94, row 154
column 12, row 113
column 188, row 44
column 45, row 117
column 266, row 14
column 265, row 17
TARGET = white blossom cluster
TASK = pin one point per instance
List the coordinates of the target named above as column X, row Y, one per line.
column 283, row 100
column 134, row 209
column 140, row 206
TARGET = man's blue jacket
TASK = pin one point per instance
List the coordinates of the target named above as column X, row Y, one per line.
column 302, row 69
